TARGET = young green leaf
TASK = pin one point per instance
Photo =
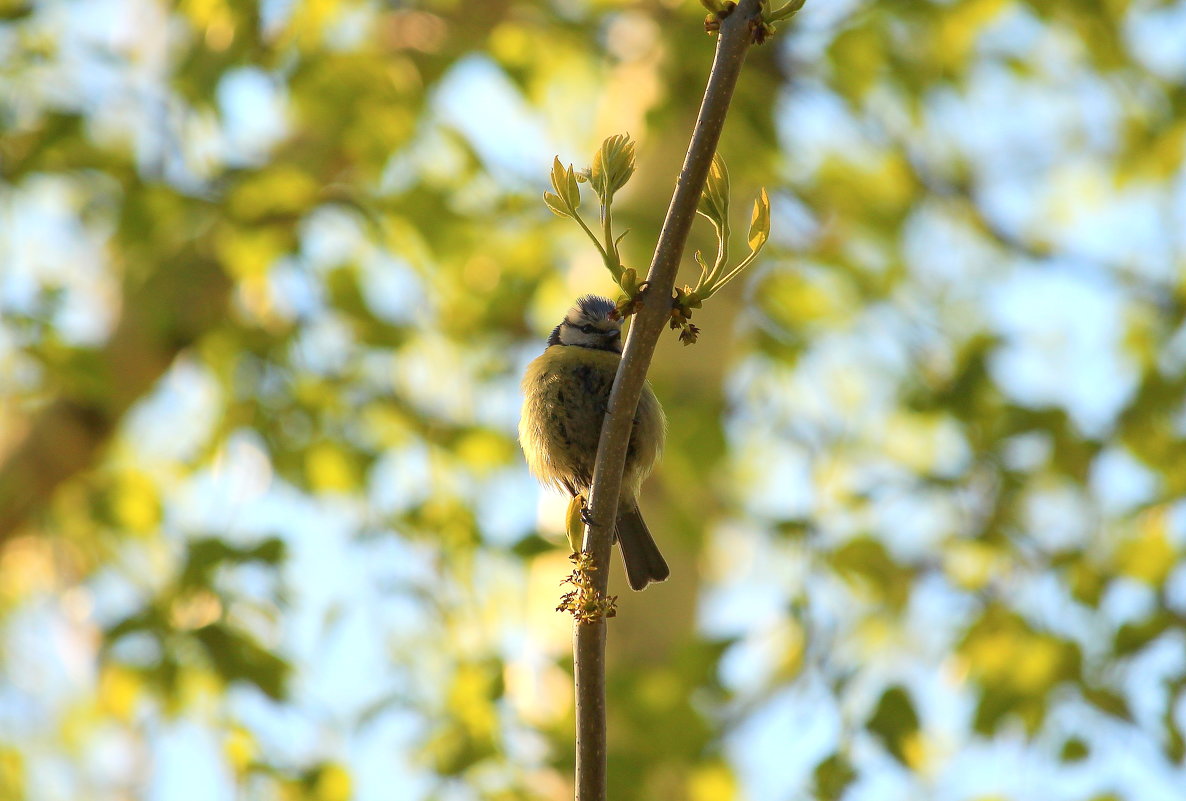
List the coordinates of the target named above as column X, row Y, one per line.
column 573, row 192
column 714, row 198
column 783, row 12
column 759, row 224
column 565, row 184
column 557, row 174
column 613, row 164
column 556, row 204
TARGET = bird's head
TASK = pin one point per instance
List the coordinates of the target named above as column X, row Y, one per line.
column 590, row 324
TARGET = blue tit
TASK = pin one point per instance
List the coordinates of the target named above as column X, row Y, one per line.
column 566, row 391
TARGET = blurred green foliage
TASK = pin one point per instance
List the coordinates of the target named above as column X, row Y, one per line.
column 268, row 273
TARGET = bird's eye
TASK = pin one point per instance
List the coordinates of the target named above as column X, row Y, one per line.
column 588, row 329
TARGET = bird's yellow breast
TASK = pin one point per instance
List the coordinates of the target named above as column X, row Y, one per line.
column 565, row 393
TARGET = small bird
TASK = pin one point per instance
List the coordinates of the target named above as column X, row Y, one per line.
column 566, row 391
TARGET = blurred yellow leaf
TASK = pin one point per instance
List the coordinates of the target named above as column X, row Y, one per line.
column 387, row 425
column 199, row 686
column 794, row 298
column 204, row 13
column 281, row 190
column 1151, row 155
column 924, row 443
column 1149, row 556
column 135, row 502
column 879, row 190
column 240, row 748
column 1037, row 664
column 659, row 691
column 712, row 782
column 471, row 699
column 119, row 689
column 1165, row 157
column 861, row 51
column 12, row 773
column 789, row 660
column 1001, row 651
column 990, row 655
column 959, row 26
column 1086, row 582
column 484, row 450
column 311, row 20
column 1141, row 337
column 386, row 126
column 915, row 753
column 329, row 469
column 333, row 783
column 867, row 563
column 971, row 564
column 510, row 43
column 247, row 251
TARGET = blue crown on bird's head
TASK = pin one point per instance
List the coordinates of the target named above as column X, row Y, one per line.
column 595, row 307
column 588, row 307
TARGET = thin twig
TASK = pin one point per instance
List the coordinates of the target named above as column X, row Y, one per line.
column 735, row 37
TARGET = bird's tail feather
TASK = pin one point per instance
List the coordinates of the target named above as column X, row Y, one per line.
column 644, row 562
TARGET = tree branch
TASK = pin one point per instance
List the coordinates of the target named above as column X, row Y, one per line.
column 736, row 35
column 170, row 310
